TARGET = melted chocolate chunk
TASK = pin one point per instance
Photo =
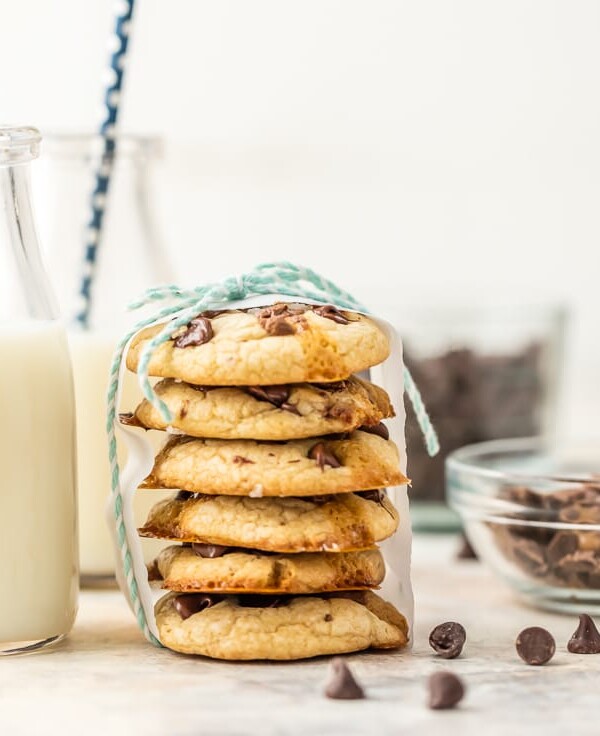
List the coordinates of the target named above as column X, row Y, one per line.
column 333, row 313
column 324, row 456
column 379, row 429
column 535, row 645
column 342, row 685
column 586, row 639
column 280, row 319
column 446, row 690
column 188, row 604
column 199, row 331
column 276, row 395
column 448, row 639
column 257, row 600
column 210, row 550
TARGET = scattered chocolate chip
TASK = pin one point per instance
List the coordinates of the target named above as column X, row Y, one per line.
column 323, row 456
column 379, row 429
column 446, row 690
column 129, row 419
column 342, row 685
column 210, row 550
column 188, row 604
column 199, row 331
column 241, row 460
column 448, row 639
column 535, row 645
column 586, row 639
column 465, row 551
column 330, row 312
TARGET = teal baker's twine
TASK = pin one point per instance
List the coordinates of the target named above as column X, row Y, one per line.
column 269, row 278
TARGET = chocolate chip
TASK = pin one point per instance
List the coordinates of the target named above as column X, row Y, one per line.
column 280, row 319
column 183, row 495
column 328, row 617
column 188, row 604
column 212, row 313
column 210, row 550
column 276, row 395
column 342, row 685
column 331, row 387
column 199, row 331
column 466, row 551
column 445, row 690
column 330, row 312
column 323, row 456
column 241, row 460
column 535, row 645
column 379, row 429
column 586, row 639
column 448, row 639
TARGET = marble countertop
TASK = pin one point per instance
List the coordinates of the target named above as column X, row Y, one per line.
column 105, row 679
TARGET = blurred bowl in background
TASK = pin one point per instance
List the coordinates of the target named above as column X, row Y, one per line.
column 484, row 373
column 532, row 513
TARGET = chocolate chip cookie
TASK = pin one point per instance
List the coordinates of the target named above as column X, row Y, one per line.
column 278, row 628
column 283, row 343
column 265, row 412
column 210, row 568
column 308, row 467
column 340, row 523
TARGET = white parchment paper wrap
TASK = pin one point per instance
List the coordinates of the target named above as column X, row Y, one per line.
column 396, row 587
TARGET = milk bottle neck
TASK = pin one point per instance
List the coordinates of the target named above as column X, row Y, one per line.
column 24, row 290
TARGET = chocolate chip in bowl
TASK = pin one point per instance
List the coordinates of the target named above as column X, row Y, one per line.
column 532, row 513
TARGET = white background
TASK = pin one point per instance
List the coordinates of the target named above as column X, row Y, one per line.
column 416, row 151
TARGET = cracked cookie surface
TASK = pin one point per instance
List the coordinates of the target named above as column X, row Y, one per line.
column 340, row 523
column 182, row 569
column 293, row 468
column 266, row 413
column 244, row 348
column 306, row 626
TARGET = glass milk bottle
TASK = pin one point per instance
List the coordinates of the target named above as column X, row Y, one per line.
column 38, row 542
column 130, row 259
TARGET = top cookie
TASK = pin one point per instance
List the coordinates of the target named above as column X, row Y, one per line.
column 282, row 343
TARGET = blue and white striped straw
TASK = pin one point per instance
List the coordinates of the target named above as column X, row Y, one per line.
column 106, row 157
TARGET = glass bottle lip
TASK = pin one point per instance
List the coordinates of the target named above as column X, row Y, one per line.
column 19, row 144
column 78, row 145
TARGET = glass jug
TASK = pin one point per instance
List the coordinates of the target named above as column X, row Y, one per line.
column 130, row 259
column 38, row 542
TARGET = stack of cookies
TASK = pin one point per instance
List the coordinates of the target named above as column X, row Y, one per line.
column 279, row 458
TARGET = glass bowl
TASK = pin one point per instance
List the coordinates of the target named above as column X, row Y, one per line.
column 532, row 513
